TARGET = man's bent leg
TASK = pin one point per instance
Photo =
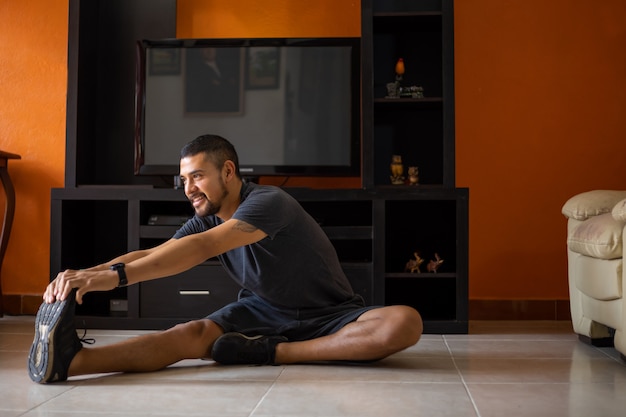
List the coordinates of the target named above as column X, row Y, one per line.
column 150, row 352
column 376, row 334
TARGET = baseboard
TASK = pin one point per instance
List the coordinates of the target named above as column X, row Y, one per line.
column 519, row 310
column 21, row 304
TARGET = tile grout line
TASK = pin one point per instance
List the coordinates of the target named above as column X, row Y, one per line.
column 34, row 408
column 469, row 394
column 258, row 404
column 618, row 360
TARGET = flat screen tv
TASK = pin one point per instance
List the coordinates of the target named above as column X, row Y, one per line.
column 291, row 107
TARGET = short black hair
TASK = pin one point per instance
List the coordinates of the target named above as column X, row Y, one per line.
column 216, row 148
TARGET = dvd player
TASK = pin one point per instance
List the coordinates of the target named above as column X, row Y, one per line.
column 167, row 220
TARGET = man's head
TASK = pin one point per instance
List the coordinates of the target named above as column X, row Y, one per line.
column 216, row 149
column 209, row 168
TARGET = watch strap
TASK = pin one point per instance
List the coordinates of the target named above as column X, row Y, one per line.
column 121, row 273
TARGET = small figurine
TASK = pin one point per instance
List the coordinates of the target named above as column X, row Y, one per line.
column 413, row 176
column 433, row 265
column 413, row 91
column 392, row 90
column 396, row 170
column 414, row 264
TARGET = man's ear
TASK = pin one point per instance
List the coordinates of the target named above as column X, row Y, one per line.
column 229, row 170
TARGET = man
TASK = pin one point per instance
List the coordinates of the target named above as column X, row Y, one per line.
column 296, row 304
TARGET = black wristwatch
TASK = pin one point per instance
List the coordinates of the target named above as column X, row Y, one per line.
column 119, row 267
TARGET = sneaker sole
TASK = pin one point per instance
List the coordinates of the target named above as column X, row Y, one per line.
column 40, row 363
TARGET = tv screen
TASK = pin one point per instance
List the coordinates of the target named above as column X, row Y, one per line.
column 290, row 106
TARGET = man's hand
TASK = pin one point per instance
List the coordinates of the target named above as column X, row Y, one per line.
column 84, row 280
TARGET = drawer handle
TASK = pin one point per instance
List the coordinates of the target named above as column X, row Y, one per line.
column 194, row 292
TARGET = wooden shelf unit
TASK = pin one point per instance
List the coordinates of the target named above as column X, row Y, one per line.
column 103, row 210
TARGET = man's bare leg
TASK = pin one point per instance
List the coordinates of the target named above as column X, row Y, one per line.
column 149, row 352
column 376, row 334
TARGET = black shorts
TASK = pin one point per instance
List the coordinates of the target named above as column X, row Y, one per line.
column 253, row 316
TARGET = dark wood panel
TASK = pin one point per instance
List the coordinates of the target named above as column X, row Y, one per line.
column 101, row 74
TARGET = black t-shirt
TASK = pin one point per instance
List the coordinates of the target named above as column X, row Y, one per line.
column 295, row 266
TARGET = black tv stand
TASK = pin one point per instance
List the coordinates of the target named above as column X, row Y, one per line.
column 374, row 234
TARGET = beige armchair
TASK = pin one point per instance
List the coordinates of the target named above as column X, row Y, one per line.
column 597, row 279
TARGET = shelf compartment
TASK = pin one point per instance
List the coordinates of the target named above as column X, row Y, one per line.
column 433, row 297
column 427, row 227
column 182, row 209
column 418, row 41
column 84, row 247
column 415, row 136
column 104, row 239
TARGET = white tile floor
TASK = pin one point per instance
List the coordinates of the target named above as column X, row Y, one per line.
column 511, row 369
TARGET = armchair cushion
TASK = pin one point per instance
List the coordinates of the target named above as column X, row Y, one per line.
column 592, row 203
column 598, row 237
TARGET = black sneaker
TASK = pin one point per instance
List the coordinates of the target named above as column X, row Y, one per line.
column 56, row 342
column 237, row 348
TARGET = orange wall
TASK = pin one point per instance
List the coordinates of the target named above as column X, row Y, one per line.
column 33, row 72
column 253, row 18
column 540, row 111
column 539, row 95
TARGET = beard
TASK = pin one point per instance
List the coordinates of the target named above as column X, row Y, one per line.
column 212, row 207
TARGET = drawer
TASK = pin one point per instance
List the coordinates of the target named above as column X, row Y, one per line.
column 192, row 294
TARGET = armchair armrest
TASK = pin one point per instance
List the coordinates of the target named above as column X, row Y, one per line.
column 592, row 203
column 619, row 211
